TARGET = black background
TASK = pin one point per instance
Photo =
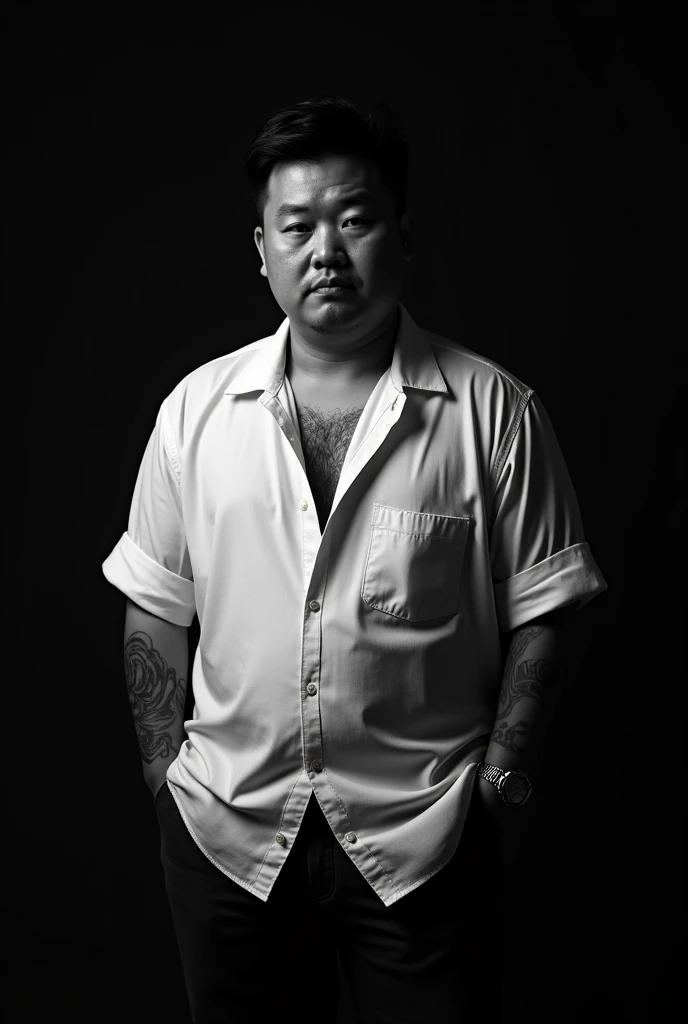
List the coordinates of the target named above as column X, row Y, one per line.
column 544, row 184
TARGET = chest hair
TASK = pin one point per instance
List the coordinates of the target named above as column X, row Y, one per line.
column 325, row 439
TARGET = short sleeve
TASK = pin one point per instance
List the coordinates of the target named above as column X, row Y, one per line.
column 150, row 562
column 539, row 558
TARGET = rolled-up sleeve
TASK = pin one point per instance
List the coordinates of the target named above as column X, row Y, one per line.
column 150, row 562
column 540, row 560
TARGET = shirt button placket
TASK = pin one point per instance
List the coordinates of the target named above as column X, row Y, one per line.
column 310, row 668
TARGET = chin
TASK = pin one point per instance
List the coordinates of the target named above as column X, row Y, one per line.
column 333, row 320
column 333, row 326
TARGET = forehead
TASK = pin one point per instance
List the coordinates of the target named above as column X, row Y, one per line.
column 326, row 180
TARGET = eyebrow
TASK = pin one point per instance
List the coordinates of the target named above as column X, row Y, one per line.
column 361, row 195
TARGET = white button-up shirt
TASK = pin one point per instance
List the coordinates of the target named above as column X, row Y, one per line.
column 364, row 662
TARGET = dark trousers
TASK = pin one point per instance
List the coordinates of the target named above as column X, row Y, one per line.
column 433, row 956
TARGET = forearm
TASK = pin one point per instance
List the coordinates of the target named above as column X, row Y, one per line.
column 537, row 662
column 156, row 656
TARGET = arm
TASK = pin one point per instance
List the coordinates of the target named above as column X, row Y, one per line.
column 538, row 659
column 156, row 656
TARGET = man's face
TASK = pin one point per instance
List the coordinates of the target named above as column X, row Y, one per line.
column 346, row 227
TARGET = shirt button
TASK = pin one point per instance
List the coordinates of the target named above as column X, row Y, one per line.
column 314, row 606
column 304, row 505
column 280, row 839
column 351, row 837
column 311, row 688
column 316, row 766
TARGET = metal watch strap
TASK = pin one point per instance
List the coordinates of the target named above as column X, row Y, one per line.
column 491, row 773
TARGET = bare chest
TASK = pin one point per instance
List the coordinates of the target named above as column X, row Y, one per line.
column 326, row 432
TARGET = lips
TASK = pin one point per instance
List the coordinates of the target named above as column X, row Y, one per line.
column 332, row 282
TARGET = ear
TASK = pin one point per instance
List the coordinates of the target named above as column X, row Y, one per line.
column 406, row 227
column 260, row 245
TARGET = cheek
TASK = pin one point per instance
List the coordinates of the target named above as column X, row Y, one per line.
column 383, row 247
column 382, row 261
column 285, row 261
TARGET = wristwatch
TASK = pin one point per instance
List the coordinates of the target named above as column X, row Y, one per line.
column 513, row 787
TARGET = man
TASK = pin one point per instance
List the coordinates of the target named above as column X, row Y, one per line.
column 362, row 514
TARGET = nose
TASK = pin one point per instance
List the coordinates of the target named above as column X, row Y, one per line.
column 328, row 250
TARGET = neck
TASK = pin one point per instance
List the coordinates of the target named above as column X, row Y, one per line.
column 330, row 366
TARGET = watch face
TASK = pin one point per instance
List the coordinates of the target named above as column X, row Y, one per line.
column 517, row 788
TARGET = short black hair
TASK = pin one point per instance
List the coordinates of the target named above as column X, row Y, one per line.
column 314, row 127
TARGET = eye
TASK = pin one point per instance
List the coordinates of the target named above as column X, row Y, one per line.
column 363, row 220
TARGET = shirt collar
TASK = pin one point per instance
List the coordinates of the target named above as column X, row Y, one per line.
column 413, row 362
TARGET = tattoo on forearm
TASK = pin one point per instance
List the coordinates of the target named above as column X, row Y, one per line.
column 155, row 694
column 522, row 678
column 508, row 735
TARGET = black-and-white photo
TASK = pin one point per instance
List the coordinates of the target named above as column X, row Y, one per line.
column 350, row 506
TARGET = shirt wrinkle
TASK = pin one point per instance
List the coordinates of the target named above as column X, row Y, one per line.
column 170, row 446
column 509, row 438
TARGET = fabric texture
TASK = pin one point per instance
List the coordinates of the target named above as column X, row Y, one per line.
column 362, row 663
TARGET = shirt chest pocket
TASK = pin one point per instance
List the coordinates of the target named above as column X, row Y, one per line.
column 413, row 565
